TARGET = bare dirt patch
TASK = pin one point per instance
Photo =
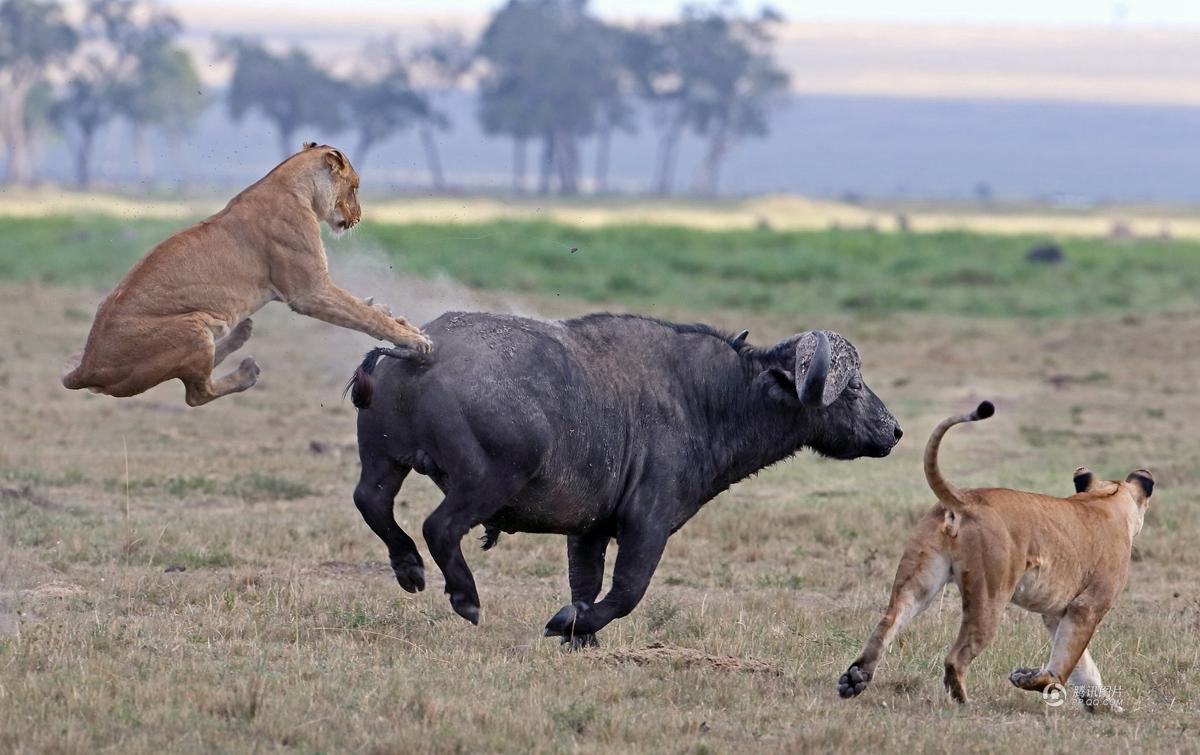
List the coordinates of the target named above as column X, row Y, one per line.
column 669, row 655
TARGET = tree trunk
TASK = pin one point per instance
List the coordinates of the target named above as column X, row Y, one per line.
column 566, row 153
column 519, row 165
column 547, row 163
column 432, row 157
column 365, row 142
column 143, row 156
column 603, row 145
column 666, row 155
column 709, row 173
column 183, row 166
column 286, row 143
column 19, row 167
column 83, row 156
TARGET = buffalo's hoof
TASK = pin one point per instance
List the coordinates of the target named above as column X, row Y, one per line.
column 581, row 641
column 853, row 682
column 569, row 622
column 465, row 607
column 410, row 575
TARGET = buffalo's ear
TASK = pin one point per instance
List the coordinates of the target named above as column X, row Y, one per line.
column 336, row 160
column 1143, row 480
column 780, row 385
column 309, row 145
column 825, row 364
column 1083, row 479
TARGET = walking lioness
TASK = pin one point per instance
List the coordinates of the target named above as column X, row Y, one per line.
column 1065, row 558
column 186, row 305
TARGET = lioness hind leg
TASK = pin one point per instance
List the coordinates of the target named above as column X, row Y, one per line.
column 919, row 578
column 1069, row 658
column 200, row 392
column 233, row 341
column 1089, row 688
column 983, row 608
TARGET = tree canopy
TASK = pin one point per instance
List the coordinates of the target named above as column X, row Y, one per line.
column 288, row 89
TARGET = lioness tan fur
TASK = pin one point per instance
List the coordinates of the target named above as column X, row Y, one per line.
column 1064, row 558
column 185, row 306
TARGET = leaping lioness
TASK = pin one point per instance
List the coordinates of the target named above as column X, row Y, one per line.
column 187, row 304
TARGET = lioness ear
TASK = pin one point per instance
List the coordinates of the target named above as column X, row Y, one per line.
column 1144, row 480
column 1083, row 479
column 336, row 160
column 309, row 145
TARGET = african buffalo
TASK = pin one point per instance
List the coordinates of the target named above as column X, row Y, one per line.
column 605, row 426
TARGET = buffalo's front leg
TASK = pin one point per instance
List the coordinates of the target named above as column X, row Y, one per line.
column 585, row 566
column 637, row 557
column 375, row 497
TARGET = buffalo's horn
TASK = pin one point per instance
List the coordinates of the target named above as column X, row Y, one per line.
column 812, row 389
column 739, row 339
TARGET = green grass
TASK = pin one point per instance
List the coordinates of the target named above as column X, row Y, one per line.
column 793, row 273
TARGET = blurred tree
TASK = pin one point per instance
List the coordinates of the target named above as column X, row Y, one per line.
column 155, row 83
column 381, row 108
column 713, row 73
column 89, row 102
column 550, row 72
column 385, row 102
column 438, row 66
column 624, row 52
column 34, row 38
column 290, row 90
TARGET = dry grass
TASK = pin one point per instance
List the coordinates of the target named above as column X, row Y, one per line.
column 781, row 212
column 285, row 630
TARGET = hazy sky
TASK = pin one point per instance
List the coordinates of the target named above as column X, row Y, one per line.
column 1038, row 12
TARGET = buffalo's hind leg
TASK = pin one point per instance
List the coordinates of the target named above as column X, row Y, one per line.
column 585, row 567
column 375, row 498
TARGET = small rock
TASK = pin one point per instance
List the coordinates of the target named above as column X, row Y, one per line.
column 317, row 447
column 174, row 568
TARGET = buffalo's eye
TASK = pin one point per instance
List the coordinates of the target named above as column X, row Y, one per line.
column 855, row 384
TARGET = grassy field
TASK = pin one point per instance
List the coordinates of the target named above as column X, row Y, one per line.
column 198, row 580
column 794, row 273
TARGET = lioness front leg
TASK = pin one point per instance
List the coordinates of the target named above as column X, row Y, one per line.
column 338, row 307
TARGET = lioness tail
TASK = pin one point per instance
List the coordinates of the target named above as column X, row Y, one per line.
column 950, row 496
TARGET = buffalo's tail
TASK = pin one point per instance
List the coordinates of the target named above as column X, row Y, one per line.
column 362, row 384
column 950, row 496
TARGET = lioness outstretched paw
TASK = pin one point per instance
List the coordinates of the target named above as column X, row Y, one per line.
column 370, row 302
column 1032, row 679
column 853, row 682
